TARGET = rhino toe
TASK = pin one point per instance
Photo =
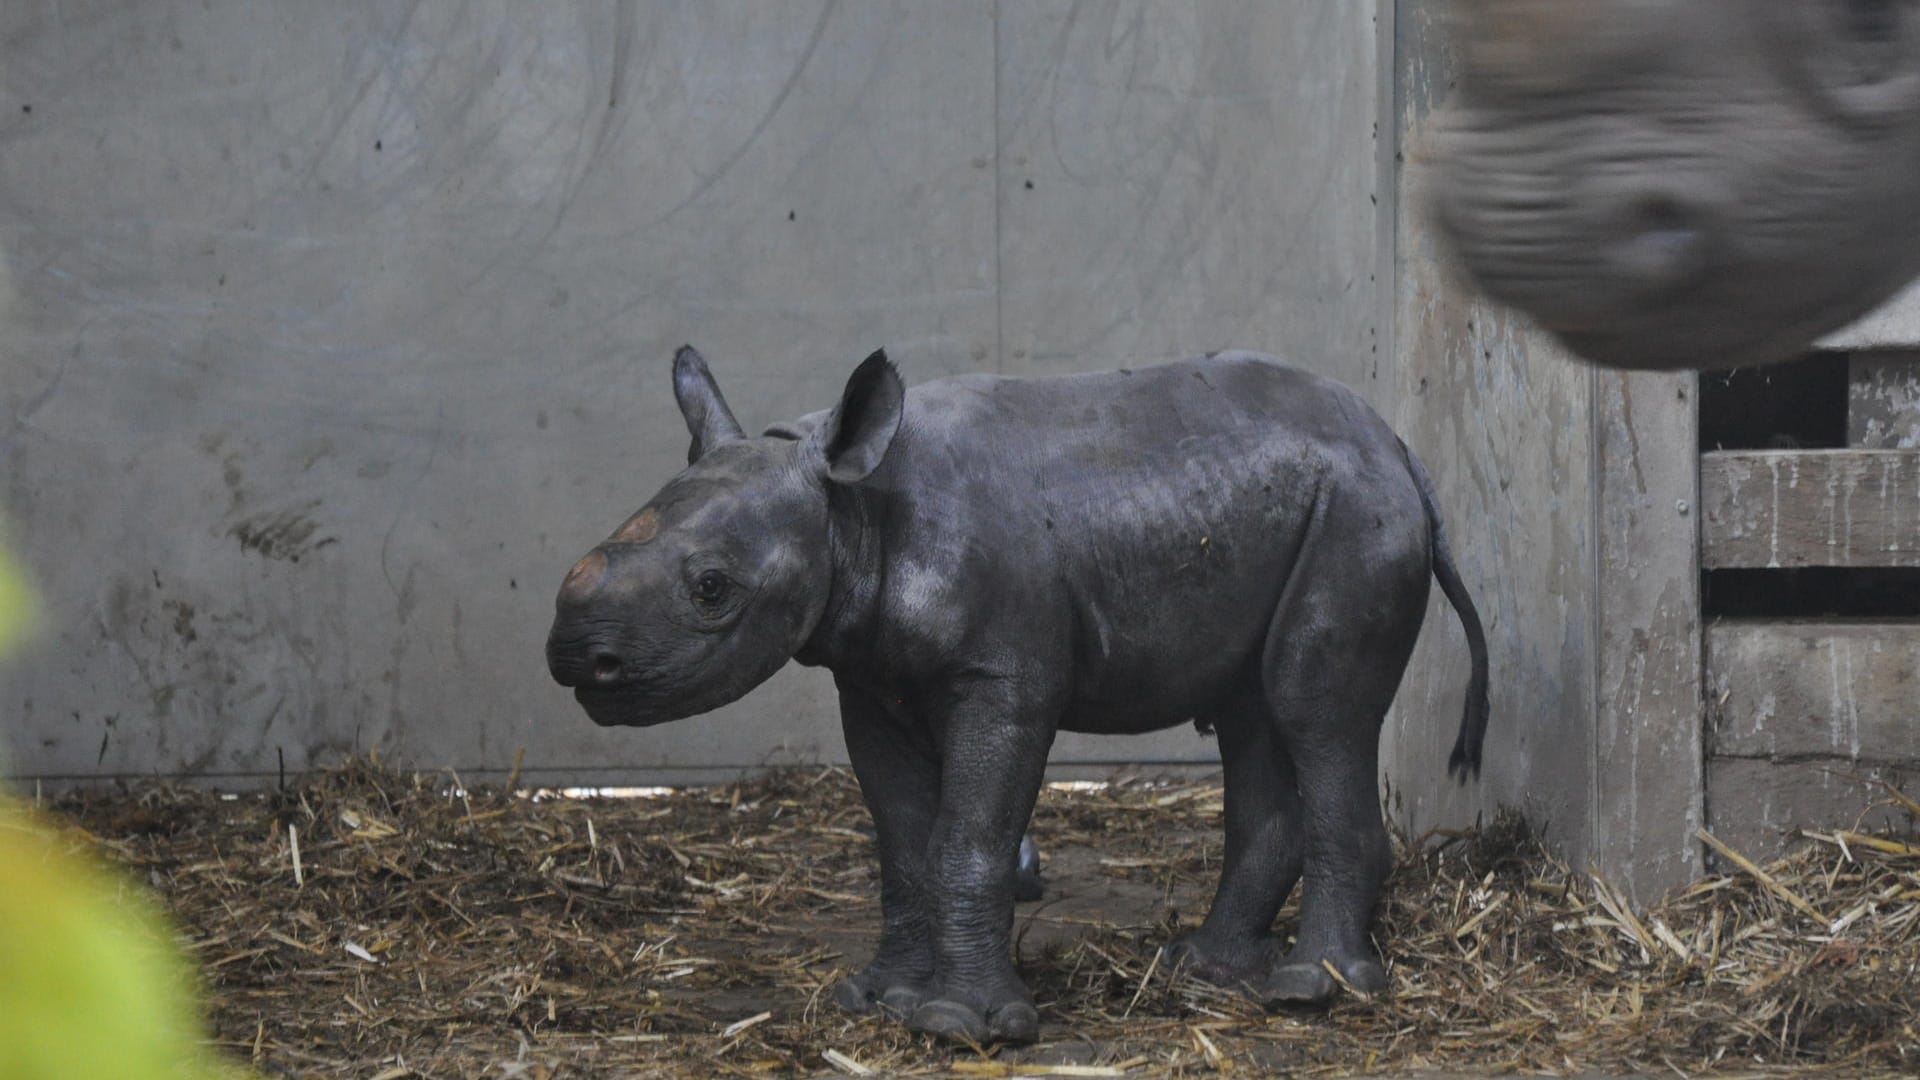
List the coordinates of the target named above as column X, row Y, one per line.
column 853, row 995
column 954, row 1021
column 1309, row 982
column 1235, row 964
column 866, row 995
column 1296, row 984
column 1017, row 1022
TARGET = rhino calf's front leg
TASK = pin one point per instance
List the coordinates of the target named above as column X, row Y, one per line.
column 993, row 757
column 900, row 781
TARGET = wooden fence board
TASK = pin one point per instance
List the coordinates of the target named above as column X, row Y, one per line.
column 1758, row 806
column 1790, row 508
column 1817, row 688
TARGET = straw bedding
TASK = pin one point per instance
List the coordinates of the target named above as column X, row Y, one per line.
column 426, row 930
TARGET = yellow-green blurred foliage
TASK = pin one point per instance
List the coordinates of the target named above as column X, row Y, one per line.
column 16, row 605
column 90, row 983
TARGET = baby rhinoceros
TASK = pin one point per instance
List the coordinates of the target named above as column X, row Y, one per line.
column 984, row 561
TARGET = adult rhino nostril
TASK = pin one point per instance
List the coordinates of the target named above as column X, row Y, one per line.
column 1661, row 214
column 1662, row 241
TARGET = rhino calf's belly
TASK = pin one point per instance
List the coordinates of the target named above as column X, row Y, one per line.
column 1178, row 677
column 1127, row 718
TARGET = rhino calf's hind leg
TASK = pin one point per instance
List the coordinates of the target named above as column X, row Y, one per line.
column 1266, row 848
column 1347, row 863
column 1338, row 645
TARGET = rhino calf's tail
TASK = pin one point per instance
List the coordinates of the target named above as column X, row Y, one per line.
column 1464, row 762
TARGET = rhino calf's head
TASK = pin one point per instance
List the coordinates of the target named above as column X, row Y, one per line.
column 1684, row 183
column 717, row 581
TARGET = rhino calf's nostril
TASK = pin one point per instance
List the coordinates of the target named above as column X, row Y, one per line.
column 606, row 666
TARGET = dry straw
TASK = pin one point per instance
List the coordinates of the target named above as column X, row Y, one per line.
column 426, row 930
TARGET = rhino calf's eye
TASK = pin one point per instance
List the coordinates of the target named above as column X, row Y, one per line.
column 711, row 587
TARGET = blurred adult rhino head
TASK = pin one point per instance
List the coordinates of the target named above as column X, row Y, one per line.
column 1683, row 183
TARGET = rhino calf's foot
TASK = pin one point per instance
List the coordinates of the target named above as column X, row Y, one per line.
column 1236, row 963
column 1014, row 1021
column 1307, row 982
column 872, row 992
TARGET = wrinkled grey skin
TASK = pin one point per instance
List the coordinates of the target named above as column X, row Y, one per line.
column 984, row 561
column 1683, row 183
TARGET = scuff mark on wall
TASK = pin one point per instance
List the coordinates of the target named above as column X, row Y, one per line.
column 284, row 535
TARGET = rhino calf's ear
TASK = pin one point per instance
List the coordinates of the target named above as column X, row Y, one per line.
column 858, row 431
column 709, row 420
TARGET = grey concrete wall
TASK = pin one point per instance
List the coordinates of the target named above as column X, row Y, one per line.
column 334, row 332
column 1503, row 420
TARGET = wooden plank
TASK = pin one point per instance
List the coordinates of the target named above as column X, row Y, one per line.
column 1648, row 772
column 1757, row 806
column 1788, row 508
column 1804, row 689
column 1883, row 400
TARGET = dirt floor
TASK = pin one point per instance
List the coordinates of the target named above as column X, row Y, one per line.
column 424, row 930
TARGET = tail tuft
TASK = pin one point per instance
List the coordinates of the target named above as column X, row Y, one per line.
column 1464, row 763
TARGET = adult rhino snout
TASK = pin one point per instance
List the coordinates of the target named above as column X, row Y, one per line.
column 1609, row 256
column 1576, row 254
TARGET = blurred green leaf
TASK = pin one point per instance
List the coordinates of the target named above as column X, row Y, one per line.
column 16, row 604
